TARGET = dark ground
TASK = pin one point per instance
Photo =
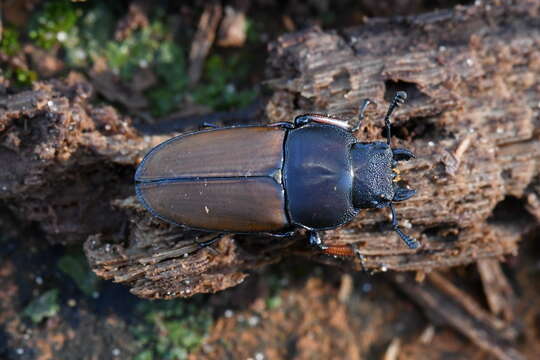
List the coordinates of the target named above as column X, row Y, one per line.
column 53, row 307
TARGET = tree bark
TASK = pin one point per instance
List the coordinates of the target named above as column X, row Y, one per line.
column 472, row 118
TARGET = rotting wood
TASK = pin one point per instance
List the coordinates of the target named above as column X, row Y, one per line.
column 500, row 296
column 505, row 330
column 471, row 73
column 472, row 118
column 204, row 38
column 442, row 301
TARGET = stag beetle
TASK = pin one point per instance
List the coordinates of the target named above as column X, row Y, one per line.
column 311, row 173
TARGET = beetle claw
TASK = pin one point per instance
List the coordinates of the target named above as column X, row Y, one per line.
column 402, row 154
column 316, row 241
column 402, row 194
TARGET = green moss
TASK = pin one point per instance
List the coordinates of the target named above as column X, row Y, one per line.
column 252, row 32
column 275, row 286
column 273, row 302
column 152, row 47
column 92, row 33
column 137, row 51
column 54, row 23
column 218, row 88
column 87, row 37
column 145, row 355
column 170, row 67
column 10, row 42
column 11, row 46
column 20, row 77
column 76, row 267
column 44, row 306
column 171, row 329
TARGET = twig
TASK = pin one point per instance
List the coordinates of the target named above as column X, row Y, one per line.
column 452, row 311
column 499, row 293
column 203, row 40
column 472, row 307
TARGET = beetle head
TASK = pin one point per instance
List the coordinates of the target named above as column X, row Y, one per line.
column 375, row 175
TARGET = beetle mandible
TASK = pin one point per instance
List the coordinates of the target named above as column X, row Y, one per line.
column 311, row 173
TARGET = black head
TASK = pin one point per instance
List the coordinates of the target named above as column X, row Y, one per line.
column 375, row 176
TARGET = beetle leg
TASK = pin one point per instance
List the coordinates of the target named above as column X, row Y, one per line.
column 402, row 194
column 359, row 256
column 412, row 243
column 316, row 241
column 283, row 124
column 208, row 125
column 206, row 243
column 400, row 154
column 321, row 119
column 339, row 250
column 361, row 114
column 399, row 99
column 346, row 251
column 281, row 235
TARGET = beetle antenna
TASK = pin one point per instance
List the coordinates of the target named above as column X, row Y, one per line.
column 412, row 243
column 361, row 114
column 398, row 99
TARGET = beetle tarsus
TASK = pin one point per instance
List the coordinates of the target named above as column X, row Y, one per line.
column 412, row 243
column 398, row 100
column 400, row 154
column 207, row 243
column 361, row 258
column 301, row 121
column 209, row 125
column 402, row 194
column 283, row 124
column 316, row 241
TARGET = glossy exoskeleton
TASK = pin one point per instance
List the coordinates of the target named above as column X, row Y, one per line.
column 312, row 173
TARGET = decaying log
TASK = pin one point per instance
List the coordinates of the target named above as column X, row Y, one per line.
column 473, row 78
column 472, row 118
column 446, row 303
column 500, row 295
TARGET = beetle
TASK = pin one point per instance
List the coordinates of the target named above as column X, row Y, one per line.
column 311, row 173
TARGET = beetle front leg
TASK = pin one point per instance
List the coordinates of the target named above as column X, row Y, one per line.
column 316, row 241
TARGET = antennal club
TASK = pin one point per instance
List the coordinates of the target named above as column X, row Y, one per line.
column 397, row 101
